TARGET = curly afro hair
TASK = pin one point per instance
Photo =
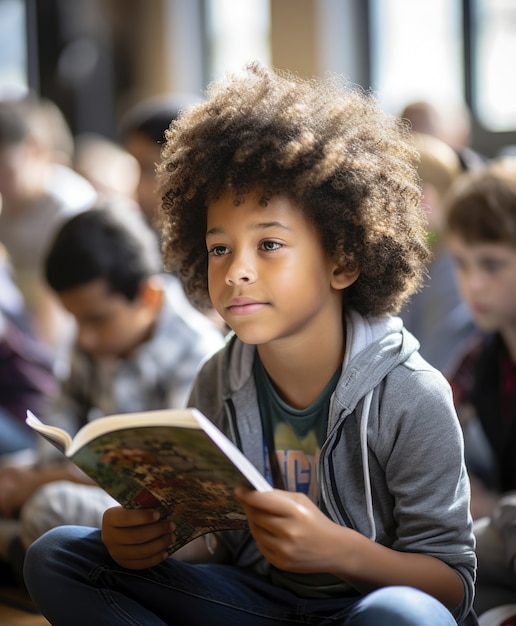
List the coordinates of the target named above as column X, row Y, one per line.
column 325, row 145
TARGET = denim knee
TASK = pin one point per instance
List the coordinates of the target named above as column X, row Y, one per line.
column 400, row 606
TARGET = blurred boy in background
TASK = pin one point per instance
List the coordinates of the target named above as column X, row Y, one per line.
column 436, row 314
column 481, row 235
column 139, row 343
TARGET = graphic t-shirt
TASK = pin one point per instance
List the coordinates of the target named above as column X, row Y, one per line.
column 293, row 437
column 292, row 443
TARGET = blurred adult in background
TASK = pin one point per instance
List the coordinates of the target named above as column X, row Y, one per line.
column 38, row 191
column 451, row 124
column 437, row 314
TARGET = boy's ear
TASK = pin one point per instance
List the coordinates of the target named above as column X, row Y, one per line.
column 152, row 293
column 342, row 278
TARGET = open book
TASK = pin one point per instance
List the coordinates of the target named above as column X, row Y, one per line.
column 175, row 461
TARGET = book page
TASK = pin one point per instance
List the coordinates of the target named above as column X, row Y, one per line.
column 56, row 436
column 178, row 471
column 256, row 479
column 183, row 418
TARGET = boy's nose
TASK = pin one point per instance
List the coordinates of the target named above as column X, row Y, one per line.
column 86, row 339
column 240, row 271
column 476, row 282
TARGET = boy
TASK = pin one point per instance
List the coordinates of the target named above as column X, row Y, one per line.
column 293, row 205
column 481, row 235
column 139, row 343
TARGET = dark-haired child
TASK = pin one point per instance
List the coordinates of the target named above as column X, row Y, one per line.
column 139, row 343
column 293, row 206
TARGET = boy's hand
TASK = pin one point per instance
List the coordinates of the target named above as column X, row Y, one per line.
column 136, row 539
column 290, row 531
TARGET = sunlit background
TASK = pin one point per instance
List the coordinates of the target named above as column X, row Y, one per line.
column 97, row 57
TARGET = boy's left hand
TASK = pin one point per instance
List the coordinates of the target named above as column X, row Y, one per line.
column 290, row 531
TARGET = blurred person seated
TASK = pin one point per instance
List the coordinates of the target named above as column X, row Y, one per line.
column 437, row 315
column 26, row 377
column 451, row 124
column 12, row 303
column 139, row 343
column 26, row 382
column 481, row 235
column 38, row 191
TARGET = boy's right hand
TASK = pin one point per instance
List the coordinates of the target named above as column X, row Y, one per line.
column 136, row 539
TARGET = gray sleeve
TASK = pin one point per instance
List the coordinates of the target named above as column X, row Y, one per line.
column 426, row 473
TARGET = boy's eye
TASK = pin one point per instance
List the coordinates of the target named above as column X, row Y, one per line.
column 459, row 263
column 269, row 246
column 217, row 250
column 97, row 321
column 491, row 266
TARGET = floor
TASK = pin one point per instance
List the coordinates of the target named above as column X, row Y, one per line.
column 14, row 617
column 16, row 609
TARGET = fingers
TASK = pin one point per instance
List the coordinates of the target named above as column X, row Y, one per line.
column 277, row 502
column 136, row 539
column 270, row 514
column 120, row 517
column 142, row 555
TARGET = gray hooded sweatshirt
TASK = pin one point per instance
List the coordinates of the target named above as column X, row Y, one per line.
column 392, row 465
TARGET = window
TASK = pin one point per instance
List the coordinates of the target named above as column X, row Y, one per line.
column 493, row 50
column 13, row 57
column 416, row 52
column 237, row 32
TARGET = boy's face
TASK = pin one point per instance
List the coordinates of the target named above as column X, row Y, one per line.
column 486, row 275
column 268, row 274
column 108, row 325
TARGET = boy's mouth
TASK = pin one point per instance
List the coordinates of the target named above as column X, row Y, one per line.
column 244, row 306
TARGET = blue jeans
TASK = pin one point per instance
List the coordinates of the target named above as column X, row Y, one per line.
column 73, row 580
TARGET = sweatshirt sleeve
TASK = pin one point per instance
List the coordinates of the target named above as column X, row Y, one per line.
column 423, row 460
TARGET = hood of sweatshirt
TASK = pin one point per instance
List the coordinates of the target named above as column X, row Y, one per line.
column 374, row 347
